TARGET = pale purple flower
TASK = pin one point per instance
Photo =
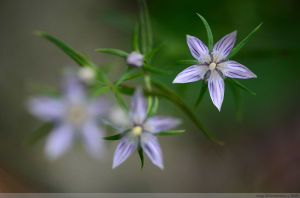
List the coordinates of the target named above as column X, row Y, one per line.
column 213, row 66
column 74, row 116
column 142, row 133
column 135, row 59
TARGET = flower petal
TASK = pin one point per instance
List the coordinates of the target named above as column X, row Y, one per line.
column 160, row 123
column 138, row 109
column 191, row 74
column 234, row 69
column 73, row 89
column 198, row 49
column 91, row 135
column 223, row 47
column 47, row 109
column 59, row 141
column 216, row 89
column 152, row 149
column 126, row 146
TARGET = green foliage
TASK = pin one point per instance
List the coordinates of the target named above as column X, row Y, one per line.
column 187, row 62
column 145, row 28
column 240, row 85
column 141, row 155
column 209, row 33
column 135, row 39
column 79, row 58
column 114, row 137
column 171, row 132
column 240, row 45
column 201, row 94
column 116, row 52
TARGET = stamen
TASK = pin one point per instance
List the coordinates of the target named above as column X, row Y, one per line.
column 137, row 130
column 212, row 66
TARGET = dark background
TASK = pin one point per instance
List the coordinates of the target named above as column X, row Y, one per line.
column 262, row 150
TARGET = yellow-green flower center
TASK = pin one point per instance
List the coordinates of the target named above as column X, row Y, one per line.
column 212, row 66
column 76, row 115
column 137, row 130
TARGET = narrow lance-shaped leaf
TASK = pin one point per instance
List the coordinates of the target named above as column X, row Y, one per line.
column 209, row 33
column 39, row 133
column 120, row 99
column 141, row 154
column 116, row 52
column 241, row 44
column 151, row 53
column 79, row 58
column 135, row 38
column 154, row 108
column 124, row 76
column 155, row 70
column 171, row 132
column 149, row 104
column 201, row 94
column 99, row 90
column 145, row 27
column 187, row 62
column 113, row 137
column 240, row 85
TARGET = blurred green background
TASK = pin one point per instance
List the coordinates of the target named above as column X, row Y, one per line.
column 262, row 150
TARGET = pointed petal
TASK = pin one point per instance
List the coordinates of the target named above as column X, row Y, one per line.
column 198, row 49
column 74, row 90
column 138, row 109
column 152, row 149
column 126, row 146
column 160, row 123
column 223, row 47
column 234, row 69
column 216, row 89
column 59, row 141
column 91, row 135
column 191, row 74
column 47, row 109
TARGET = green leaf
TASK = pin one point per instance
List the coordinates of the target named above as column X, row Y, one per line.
column 151, row 53
column 114, row 137
column 201, row 94
column 135, row 38
column 133, row 76
column 239, row 46
column 171, row 132
column 145, row 27
column 39, row 133
column 79, row 58
column 124, row 76
column 187, row 62
column 120, row 99
column 240, row 85
column 209, row 33
column 99, row 91
column 155, row 70
column 141, row 154
column 154, row 107
column 149, row 104
column 116, row 52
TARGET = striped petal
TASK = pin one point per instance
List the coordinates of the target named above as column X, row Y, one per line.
column 234, row 69
column 198, row 49
column 138, row 111
column 191, row 74
column 152, row 149
column 160, row 123
column 223, row 47
column 91, row 135
column 124, row 149
column 59, row 141
column 216, row 89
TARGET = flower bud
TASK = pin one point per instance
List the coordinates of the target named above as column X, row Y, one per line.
column 135, row 59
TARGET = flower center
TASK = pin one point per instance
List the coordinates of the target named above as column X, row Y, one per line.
column 76, row 115
column 137, row 130
column 212, row 66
